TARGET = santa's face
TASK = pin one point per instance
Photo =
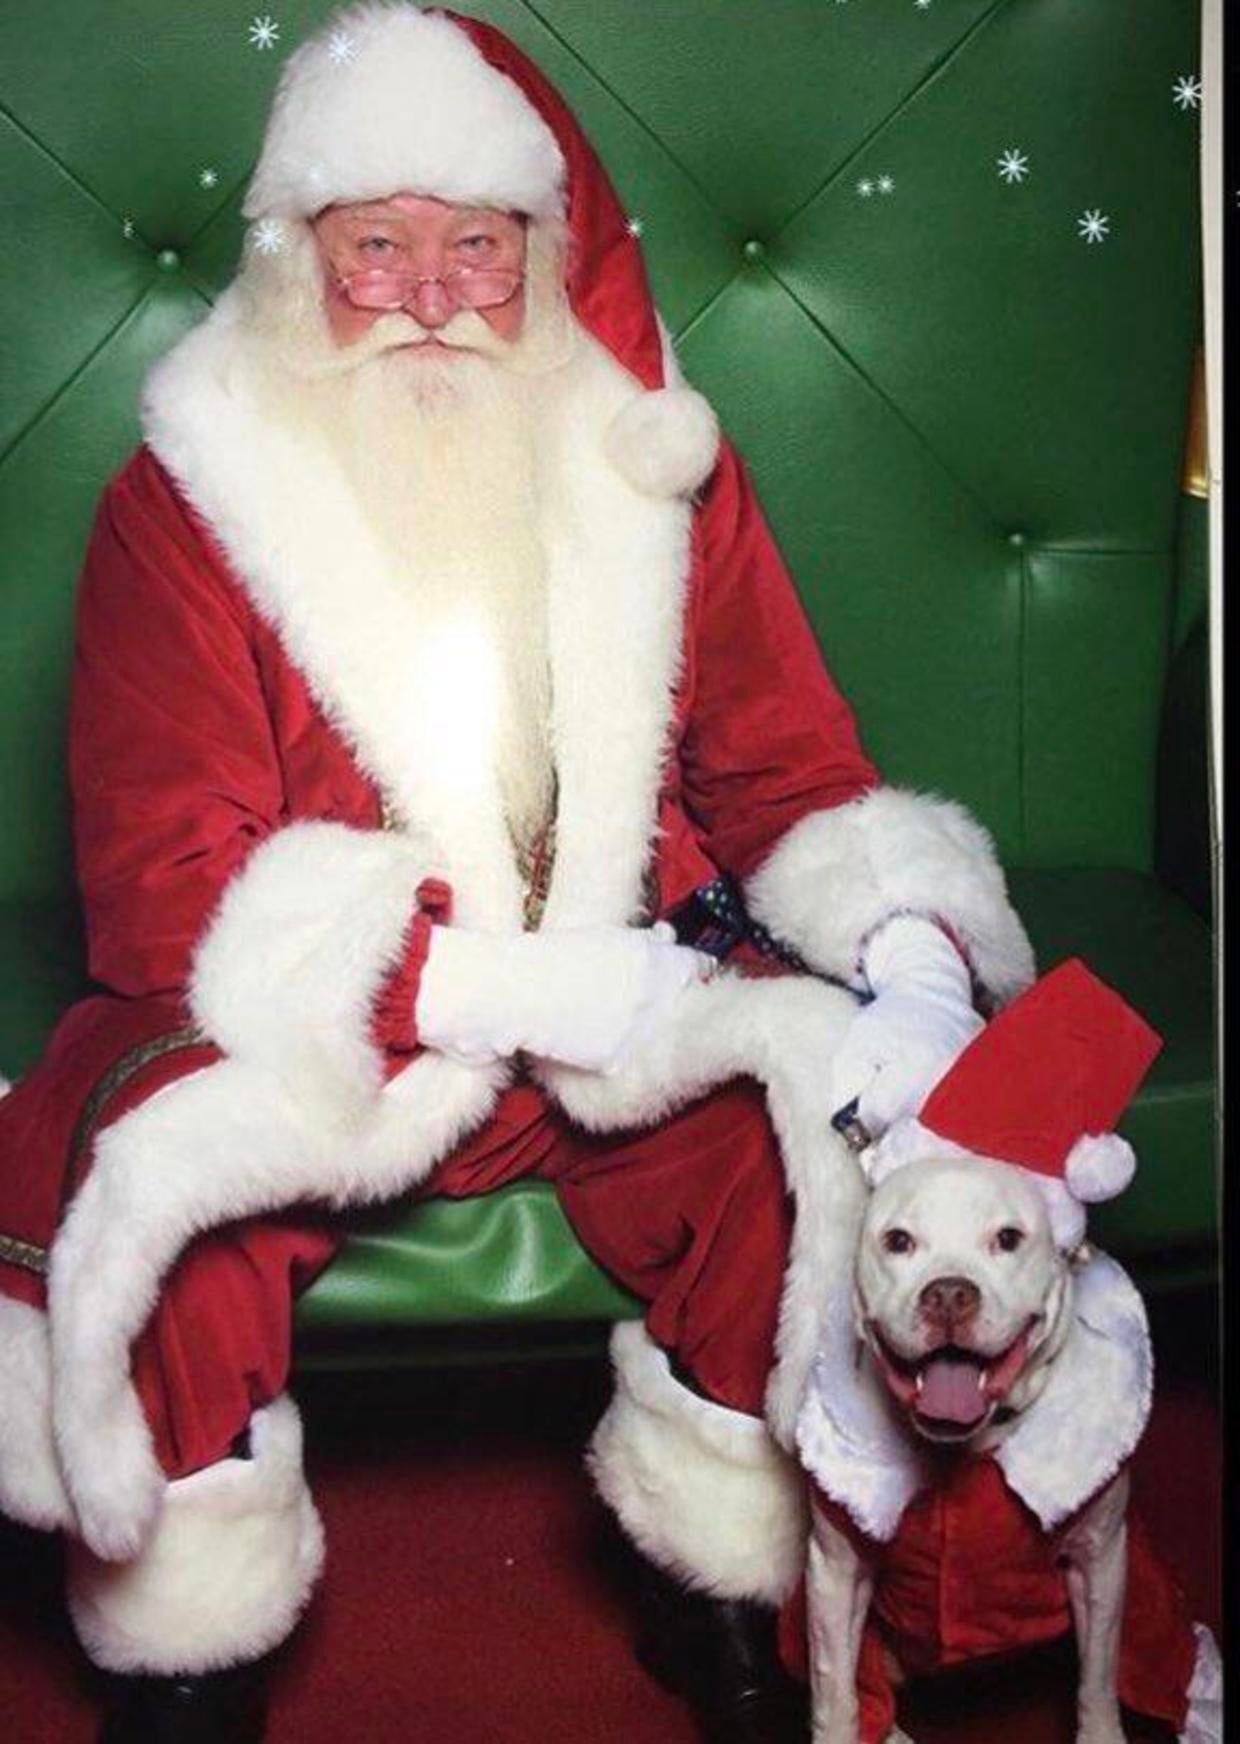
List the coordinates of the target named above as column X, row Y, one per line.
column 427, row 251
column 439, row 445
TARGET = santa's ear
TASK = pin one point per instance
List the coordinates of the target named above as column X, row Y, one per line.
column 664, row 442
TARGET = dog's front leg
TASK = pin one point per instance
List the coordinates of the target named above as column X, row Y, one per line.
column 838, row 1588
column 1096, row 1552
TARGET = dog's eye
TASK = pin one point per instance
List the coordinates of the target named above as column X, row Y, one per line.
column 1009, row 1238
column 898, row 1241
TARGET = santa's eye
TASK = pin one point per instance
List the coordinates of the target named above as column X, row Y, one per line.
column 898, row 1241
column 1009, row 1238
column 376, row 244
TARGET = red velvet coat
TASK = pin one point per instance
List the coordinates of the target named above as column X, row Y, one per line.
column 194, row 737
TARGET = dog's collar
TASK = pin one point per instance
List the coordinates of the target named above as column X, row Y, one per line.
column 1073, row 1438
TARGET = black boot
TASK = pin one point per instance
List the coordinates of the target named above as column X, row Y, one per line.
column 217, row 1707
column 720, row 1655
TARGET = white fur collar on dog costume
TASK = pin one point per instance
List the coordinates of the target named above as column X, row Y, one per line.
column 1084, row 1426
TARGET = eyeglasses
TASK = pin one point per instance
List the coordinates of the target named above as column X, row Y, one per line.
column 465, row 287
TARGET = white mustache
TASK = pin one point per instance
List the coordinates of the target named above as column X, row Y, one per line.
column 466, row 331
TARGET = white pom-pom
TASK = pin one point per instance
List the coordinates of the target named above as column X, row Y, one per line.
column 1099, row 1166
column 665, row 442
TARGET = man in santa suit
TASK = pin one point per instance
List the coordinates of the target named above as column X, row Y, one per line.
column 439, row 694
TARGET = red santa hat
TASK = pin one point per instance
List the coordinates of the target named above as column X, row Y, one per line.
column 1040, row 1088
column 388, row 98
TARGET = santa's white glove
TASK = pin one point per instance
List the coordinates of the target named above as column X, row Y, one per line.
column 581, row 996
column 921, row 1017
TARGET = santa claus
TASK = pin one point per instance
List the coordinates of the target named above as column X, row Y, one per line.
column 443, row 715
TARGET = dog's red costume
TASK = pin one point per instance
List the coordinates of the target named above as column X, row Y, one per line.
column 972, row 1573
column 965, row 1548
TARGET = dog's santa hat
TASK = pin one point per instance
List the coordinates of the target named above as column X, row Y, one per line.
column 390, row 98
column 1040, row 1088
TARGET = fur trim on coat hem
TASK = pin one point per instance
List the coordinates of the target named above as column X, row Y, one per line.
column 243, row 1142
column 32, row 1490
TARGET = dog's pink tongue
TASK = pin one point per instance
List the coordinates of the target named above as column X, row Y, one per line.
column 949, row 1391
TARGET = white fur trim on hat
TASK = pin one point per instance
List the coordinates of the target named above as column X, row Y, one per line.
column 908, row 1141
column 387, row 99
column 1099, row 1166
column 664, row 443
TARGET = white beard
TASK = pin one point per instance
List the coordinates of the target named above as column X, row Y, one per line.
column 440, row 453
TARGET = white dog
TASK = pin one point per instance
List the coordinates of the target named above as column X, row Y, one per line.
column 975, row 1332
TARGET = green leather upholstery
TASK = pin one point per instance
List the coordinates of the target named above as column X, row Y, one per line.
column 966, row 421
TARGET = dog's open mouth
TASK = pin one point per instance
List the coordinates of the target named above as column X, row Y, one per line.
column 951, row 1392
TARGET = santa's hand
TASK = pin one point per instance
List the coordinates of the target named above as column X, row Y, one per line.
column 920, row 1019
column 581, row 997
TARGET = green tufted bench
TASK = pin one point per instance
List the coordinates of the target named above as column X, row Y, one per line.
column 868, row 228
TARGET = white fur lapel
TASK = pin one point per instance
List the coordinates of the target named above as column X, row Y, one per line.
column 618, row 564
column 1083, row 1426
column 848, row 1435
column 1093, row 1410
column 618, row 561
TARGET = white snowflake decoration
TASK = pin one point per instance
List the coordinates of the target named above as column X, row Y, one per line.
column 341, row 47
column 922, row 5
column 264, row 31
column 865, row 187
column 208, row 178
column 635, row 227
column 1093, row 226
column 1013, row 166
column 886, row 184
column 1186, row 92
column 267, row 236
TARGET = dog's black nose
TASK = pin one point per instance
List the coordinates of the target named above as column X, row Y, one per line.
column 949, row 1300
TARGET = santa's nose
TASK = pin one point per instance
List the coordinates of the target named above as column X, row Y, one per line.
column 430, row 303
column 949, row 1301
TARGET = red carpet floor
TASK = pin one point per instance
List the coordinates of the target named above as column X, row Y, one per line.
column 473, row 1595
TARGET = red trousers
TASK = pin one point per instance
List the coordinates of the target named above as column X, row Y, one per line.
column 693, row 1217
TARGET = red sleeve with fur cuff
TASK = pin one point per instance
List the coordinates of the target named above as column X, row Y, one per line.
column 393, row 1022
